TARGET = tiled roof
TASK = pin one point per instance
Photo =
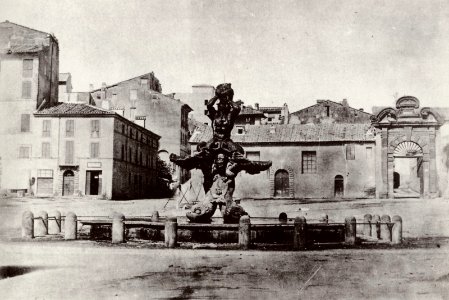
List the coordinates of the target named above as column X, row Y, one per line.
column 293, row 133
column 25, row 48
column 73, row 109
column 250, row 111
column 271, row 108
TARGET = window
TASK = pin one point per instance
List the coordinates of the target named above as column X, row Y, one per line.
column 95, row 128
column 25, row 123
column 46, row 150
column 205, row 112
column 130, row 155
column 350, row 152
column 123, row 128
column 94, row 150
column 133, row 95
column 27, row 68
column 141, row 159
column 327, row 111
column 270, row 119
column 24, row 151
column 308, row 162
column 69, row 128
column 253, row 155
column 240, row 130
column 69, row 152
column 206, row 101
column 123, row 152
column 46, row 127
column 26, row 89
column 45, row 173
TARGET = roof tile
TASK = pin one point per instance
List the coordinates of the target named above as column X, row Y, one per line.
column 291, row 133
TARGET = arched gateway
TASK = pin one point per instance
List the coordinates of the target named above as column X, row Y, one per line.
column 408, row 150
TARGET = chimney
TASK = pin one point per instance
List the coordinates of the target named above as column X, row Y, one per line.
column 344, row 102
column 256, row 105
column 361, row 109
column 103, row 85
column 91, row 87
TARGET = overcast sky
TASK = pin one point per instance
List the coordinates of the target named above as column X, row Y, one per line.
column 370, row 52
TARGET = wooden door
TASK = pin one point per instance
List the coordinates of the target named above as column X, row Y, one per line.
column 68, row 183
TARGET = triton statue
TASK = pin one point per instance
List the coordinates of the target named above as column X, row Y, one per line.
column 220, row 160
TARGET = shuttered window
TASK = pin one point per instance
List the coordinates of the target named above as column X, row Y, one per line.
column 26, row 89
column 27, row 68
column 95, row 128
column 94, row 150
column 69, row 152
column 46, row 150
column 69, row 128
column 24, row 151
column 350, row 152
column 46, row 127
column 25, row 123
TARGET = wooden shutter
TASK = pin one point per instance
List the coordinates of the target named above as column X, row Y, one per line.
column 69, row 152
column 25, row 123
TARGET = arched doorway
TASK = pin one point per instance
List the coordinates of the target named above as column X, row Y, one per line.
column 408, row 170
column 281, row 184
column 339, row 186
column 68, row 181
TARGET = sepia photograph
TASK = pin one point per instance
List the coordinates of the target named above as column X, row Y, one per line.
column 224, row 149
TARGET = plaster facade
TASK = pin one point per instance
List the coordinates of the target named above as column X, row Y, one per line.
column 29, row 61
column 140, row 100
column 107, row 155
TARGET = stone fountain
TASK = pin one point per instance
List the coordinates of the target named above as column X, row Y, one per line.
column 220, row 160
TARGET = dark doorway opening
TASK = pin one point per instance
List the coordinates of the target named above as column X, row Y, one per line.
column 68, row 182
column 396, row 180
column 281, row 184
column 339, row 187
column 93, row 182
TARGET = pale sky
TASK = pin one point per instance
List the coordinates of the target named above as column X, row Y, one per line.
column 370, row 52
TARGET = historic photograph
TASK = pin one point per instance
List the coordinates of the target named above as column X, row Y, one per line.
column 224, row 149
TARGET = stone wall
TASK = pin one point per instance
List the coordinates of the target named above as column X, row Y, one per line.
column 326, row 111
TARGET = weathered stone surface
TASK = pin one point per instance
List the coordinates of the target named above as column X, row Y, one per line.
column 41, row 225
column 27, row 225
column 71, row 226
column 118, row 228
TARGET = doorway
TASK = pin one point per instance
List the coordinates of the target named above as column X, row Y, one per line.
column 93, row 182
column 281, row 184
column 339, row 186
column 408, row 165
column 68, row 182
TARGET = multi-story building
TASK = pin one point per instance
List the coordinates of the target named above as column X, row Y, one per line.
column 327, row 111
column 28, row 80
column 274, row 114
column 140, row 100
column 66, row 93
column 83, row 150
column 197, row 100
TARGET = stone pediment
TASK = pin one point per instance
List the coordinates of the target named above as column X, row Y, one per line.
column 407, row 112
